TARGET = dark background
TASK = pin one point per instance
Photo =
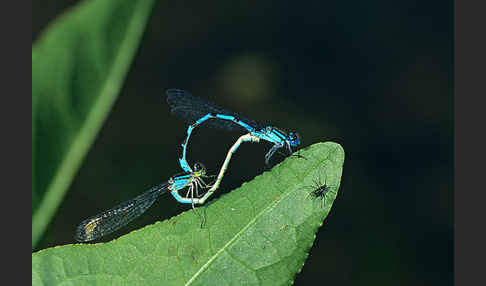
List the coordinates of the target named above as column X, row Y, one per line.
column 373, row 76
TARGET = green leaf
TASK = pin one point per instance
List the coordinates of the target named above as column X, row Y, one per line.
column 78, row 66
column 258, row 234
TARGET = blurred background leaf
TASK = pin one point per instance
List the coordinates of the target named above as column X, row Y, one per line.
column 258, row 234
column 78, row 67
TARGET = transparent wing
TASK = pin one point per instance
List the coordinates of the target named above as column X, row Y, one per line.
column 191, row 108
column 117, row 217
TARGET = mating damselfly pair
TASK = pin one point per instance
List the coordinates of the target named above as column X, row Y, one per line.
column 186, row 186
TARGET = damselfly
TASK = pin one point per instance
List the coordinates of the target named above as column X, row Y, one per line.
column 196, row 110
column 117, row 217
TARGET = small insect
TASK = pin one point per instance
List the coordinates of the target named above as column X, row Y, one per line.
column 284, row 227
column 318, row 189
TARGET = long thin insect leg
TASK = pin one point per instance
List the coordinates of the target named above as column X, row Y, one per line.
column 309, row 193
column 323, row 201
column 298, row 156
column 289, row 148
column 291, row 154
column 199, row 182
column 202, row 221
column 271, row 152
column 210, row 185
column 206, row 185
column 194, row 183
column 192, row 200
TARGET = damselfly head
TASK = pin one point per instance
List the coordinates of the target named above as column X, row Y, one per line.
column 199, row 169
column 294, row 138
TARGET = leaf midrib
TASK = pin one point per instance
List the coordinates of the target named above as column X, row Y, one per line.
column 248, row 225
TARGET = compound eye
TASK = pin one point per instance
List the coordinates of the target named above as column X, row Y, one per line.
column 199, row 167
column 294, row 137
